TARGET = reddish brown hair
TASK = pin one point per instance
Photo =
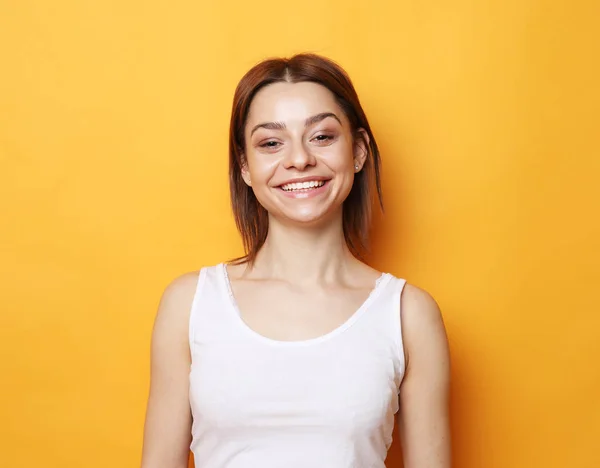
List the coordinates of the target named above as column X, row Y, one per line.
column 250, row 217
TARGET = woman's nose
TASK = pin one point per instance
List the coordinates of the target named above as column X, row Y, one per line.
column 299, row 157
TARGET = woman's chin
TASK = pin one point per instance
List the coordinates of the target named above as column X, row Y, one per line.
column 307, row 218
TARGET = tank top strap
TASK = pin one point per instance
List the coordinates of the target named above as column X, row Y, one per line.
column 206, row 303
column 389, row 308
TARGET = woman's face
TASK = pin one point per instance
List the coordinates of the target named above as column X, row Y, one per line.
column 301, row 155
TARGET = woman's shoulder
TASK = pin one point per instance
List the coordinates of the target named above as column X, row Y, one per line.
column 178, row 294
column 418, row 305
column 422, row 321
column 176, row 299
column 181, row 286
column 416, row 297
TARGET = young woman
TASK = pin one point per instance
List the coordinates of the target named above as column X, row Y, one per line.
column 298, row 355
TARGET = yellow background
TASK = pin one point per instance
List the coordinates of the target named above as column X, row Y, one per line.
column 113, row 180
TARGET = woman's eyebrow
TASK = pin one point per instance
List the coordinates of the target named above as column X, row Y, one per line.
column 317, row 118
column 309, row 121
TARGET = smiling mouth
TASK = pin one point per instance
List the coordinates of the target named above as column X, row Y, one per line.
column 303, row 186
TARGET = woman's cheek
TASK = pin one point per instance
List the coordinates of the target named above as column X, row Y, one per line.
column 264, row 167
column 337, row 158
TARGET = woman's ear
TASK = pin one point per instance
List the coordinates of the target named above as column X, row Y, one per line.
column 361, row 148
column 245, row 171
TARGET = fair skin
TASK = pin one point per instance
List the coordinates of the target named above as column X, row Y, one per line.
column 298, row 131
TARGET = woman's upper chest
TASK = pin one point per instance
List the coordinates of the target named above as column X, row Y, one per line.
column 280, row 311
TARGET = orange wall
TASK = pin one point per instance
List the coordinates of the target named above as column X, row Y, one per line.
column 113, row 131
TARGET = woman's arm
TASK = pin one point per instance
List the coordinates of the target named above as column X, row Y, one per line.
column 168, row 419
column 424, row 416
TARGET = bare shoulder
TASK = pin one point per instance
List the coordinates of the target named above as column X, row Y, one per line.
column 422, row 322
column 176, row 301
column 418, row 304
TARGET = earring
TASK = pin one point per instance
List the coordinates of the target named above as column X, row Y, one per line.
column 356, row 166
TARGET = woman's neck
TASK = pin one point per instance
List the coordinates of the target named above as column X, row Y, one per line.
column 304, row 255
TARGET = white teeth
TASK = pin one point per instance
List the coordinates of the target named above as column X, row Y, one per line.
column 303, row 185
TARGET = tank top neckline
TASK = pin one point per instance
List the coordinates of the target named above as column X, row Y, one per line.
column 233, row 309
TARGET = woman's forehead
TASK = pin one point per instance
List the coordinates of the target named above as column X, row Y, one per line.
column 291, row 103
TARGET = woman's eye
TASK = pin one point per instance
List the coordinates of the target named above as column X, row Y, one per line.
column 269, row 144
column 323, row 138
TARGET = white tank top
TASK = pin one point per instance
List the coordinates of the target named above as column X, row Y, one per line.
column 327, row 402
